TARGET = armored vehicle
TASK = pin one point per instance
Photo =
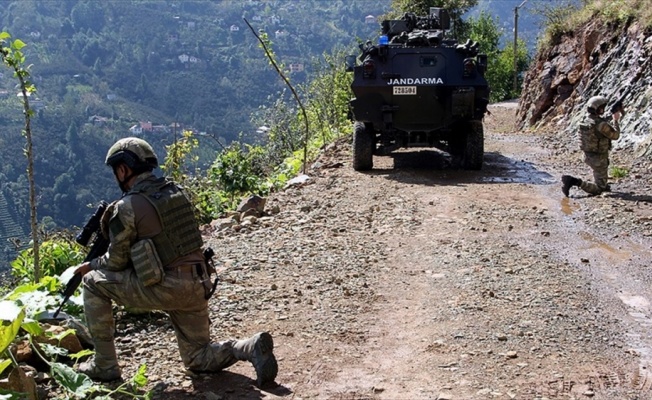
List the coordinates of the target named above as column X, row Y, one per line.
column 418, row 88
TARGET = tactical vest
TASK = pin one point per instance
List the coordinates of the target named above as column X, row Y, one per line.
column 592, row 141
column 180, row 234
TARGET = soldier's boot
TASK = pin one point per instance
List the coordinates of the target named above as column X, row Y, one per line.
column 103, row 366
column 568, row 182
column 258, row 349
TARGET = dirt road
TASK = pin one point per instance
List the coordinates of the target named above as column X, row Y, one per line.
column 419, row 281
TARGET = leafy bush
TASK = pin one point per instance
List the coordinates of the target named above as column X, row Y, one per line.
column 55, row 256
column 237, row 170
column 500, row 71
column 17, row 312
column 207, row 197
column 178, row 154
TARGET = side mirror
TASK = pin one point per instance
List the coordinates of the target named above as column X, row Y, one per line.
column 349, row 63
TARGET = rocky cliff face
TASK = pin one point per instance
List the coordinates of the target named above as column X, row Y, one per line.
column 597, row 59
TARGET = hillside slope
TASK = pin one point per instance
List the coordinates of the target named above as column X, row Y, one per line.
column 612, row 60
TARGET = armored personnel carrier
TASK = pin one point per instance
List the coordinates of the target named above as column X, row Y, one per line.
column 418, row 88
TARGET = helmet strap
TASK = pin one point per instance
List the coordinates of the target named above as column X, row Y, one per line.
column 123, row 183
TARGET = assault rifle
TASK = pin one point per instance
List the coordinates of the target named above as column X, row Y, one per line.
column 99, row 247
column 618, row 106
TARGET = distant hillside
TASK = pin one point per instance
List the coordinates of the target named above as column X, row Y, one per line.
column 103, row 68
column 195, row 62
column 9, row 229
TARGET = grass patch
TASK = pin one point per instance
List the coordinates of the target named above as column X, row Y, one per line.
column 618, row 172
column 564, row 17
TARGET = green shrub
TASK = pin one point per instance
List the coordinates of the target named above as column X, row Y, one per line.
column 209, row 201
column 620, row 10
column 566, row 16
column 178, row 153
column 618, row 172
column 56, row 254
column 237, row 170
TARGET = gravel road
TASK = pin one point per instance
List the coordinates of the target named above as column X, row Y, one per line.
column 419, row 281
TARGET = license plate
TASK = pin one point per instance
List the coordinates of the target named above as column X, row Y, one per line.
column 405, row 90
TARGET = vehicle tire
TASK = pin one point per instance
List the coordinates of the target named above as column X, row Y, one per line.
column 363, row 143
column 474, row 151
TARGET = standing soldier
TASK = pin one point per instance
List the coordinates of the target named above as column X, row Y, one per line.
column 596, row 134
column 155, row 262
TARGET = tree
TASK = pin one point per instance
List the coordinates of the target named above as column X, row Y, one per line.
column 88, row 15
column 502, row 75
column 484, row 30
column 12, row 57
column 500, row 72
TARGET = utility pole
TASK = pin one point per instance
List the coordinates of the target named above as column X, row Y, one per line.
column 516, row 44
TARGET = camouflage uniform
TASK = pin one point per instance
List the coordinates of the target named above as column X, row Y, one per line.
column 596, row 135
column 155, row 210
column 180, row 294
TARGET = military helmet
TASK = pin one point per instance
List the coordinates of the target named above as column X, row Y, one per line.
column 135, row 152
column 596, row 102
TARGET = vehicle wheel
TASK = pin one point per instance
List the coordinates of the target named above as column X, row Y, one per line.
column 362, row 147
column 474, row 151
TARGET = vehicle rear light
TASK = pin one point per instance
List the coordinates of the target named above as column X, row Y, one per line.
column 469, row 67
column 368, row 69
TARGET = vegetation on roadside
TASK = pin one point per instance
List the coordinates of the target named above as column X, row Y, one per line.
column 242, row 169
column 565, row 16
column 56, row 254
column 19, row 312
column 618, row 172
column 485, row 30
